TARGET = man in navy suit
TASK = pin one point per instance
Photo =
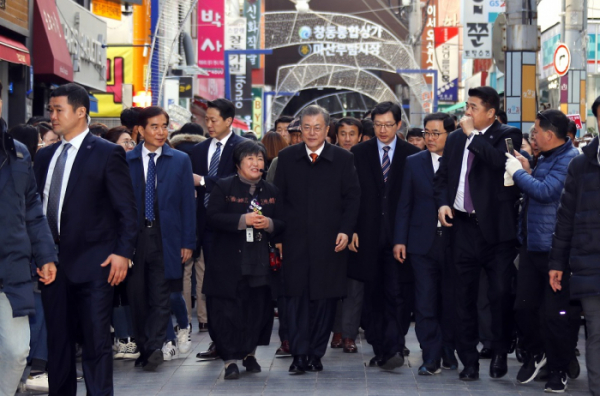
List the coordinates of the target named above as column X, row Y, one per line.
column 472, row 199
column 88, row 200
column 213, row 160
column 419, row 233
column 164, row 192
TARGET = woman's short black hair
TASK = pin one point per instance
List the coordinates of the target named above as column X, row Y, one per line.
column 28, row 135
column 246, row 149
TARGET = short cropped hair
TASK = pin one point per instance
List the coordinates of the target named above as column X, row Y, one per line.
column 555, row 121
column 414, row 132
column 28, row 135
column 448, row 121
column 226, row 107
column 284, row 120
column 349, row 121
column 246, row 149
column 488, row 95
column 368, row 128
column 150, row 112
column 502, row 117
column 130, row 117
column 76, row 95
column 594, row 106
column 572, row 128
column 386, row 107
column 98, row 129
column 314, row 110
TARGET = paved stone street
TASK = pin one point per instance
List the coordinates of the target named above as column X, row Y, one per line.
column 344, row 375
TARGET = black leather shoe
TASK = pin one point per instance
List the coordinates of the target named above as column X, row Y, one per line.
column 232, row 372
column 139, row 362
column 485, row 353
column 154, row 360
column 210, row 354
column 393, row 362
column 251, row 364
column 299, row 365
column 498, row 366
column 376, row 361
column 405, row 351
column 314, row 364
column 470, row 373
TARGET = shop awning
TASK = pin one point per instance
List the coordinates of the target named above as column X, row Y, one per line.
column 52, row 59
column 453, row 108
column 240, row 125
column 13, row 51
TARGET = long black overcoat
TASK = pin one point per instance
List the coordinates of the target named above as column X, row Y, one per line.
column 320, row 200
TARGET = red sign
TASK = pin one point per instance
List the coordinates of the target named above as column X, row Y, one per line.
column 562, row 60
column 211, row 37
column 576, row 118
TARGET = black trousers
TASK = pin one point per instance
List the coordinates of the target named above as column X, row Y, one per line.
column 434, row 298
column 282, row 317
column 148, row 292
column 545, row 318
column 472, row 253
column 387, row 302
column 309, row 324
column 240, row 324
column 79, row 312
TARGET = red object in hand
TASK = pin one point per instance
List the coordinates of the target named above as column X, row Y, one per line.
column 274, row 259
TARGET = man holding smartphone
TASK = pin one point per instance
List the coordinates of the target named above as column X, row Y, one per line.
column 469, row 190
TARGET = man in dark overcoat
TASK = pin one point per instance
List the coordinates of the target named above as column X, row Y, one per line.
column 321, row 198
column 380, row 166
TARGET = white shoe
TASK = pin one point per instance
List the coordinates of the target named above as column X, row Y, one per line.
column 38, row 382
column 184, row 339
column 170, row 351
column 121, row 345
column 131, row 350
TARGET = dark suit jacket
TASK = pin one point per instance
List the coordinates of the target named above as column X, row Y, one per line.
column 494, row 203
column 416, row 218
column 98, row 216
column 176, row 203
column 320, row 201
column 200, row 166
column 378, row 203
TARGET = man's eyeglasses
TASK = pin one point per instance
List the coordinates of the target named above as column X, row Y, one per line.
column 384, row 126
column 128, row 143
column 434, row 135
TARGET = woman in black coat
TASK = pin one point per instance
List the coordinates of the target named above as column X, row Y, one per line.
column 243, row 215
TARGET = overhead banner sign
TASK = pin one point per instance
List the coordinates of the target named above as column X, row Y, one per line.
column 211, row 37
column 428, row 40
column 478, row 16
column 241, row 94
column 446, row 54
column 252, row 13
column 235, row 38
column 119, row 71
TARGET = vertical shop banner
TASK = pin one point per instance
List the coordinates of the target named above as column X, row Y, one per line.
column 241, row 94
column 428, row 40
column 119, row 71
column 446, row 55
column 477, row 29
column 211, row 37
column 257, row 111
column 252, row 13
column 235, row 38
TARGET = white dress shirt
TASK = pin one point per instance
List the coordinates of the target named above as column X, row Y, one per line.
column 73, row 150
column 392, row 147
column 459, row 201
column 318, row 151
column 213, row 147
column 435, row 160
column 146, row 158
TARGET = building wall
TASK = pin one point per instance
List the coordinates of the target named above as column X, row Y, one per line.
column 16, row 12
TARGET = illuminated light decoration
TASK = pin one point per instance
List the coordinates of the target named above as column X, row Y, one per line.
column 142, row 99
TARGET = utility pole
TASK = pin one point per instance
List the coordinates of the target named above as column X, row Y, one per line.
column 415, row 26
column 573, row 84
column 522, row 45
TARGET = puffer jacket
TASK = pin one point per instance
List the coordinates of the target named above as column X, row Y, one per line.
column 576, row 240
column 541, row 194
column 185, row 142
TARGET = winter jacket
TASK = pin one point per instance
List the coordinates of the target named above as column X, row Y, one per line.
column 185, row 142
column 541, row 193
column 576, row 240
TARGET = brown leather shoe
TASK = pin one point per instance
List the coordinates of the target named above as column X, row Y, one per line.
column 283, row 350
column 350, row 346
column 336, row 341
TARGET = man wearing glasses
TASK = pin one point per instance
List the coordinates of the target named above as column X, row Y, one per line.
column 419, row 233
column 472, row 199
column 380, row 166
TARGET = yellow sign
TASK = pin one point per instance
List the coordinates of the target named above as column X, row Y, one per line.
column 119, row 71
column 528, row 96
column 257, row 116
column 107, row 9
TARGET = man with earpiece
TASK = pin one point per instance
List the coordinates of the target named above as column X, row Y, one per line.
column 25, row 235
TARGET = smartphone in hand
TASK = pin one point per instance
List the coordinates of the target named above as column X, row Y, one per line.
column 509, row 146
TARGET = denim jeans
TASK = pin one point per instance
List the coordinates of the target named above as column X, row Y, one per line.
column 14, row 347
column 122, row 322
column 591, row 309
column 178, row 308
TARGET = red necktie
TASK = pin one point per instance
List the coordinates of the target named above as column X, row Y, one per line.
column 314, row 157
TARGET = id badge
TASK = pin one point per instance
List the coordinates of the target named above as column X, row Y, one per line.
column 249, row 234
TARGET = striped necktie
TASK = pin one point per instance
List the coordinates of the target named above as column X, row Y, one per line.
column 212, row 170
column 385, row 163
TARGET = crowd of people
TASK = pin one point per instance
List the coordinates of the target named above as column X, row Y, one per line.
column 477, row 232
